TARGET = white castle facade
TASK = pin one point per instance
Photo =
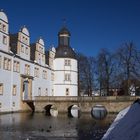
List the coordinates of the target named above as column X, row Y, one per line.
column 27, row 70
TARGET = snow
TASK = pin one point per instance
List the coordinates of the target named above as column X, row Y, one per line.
column 126, row 126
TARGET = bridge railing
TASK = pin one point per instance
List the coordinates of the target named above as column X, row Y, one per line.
column 85, row 98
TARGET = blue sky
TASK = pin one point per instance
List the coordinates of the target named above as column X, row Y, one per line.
column 94, row 24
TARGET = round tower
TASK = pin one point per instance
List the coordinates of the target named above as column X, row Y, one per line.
column 65, row 66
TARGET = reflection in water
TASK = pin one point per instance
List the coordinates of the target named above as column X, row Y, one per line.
column 26, row 126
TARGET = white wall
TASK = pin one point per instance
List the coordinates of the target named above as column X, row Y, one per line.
column 10, row 78
column 4, row 20
column 60, row 84
column 39, row 82
column 60, row 90
column 5, row 79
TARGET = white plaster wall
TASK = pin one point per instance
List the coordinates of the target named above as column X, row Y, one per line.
column 16, row 98
column 10, row 78
column 25, row 31
column 59, row 64
column 60, row 84
column 59, row 77
column 4, row 47
column 3, row 16
column 42, row 83
column 25, row 44
column 60, row 90
column 5, row 78
column 22, row 67
column 23, row 54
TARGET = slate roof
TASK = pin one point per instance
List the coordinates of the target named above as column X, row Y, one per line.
column 65, row 52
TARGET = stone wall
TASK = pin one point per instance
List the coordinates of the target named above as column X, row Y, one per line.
column 112, row 103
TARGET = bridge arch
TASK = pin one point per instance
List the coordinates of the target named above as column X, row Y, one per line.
column 51, row 110
column 99, row 111
column 74, row 111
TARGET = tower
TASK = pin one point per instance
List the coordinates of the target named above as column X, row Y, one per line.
column 65, row 66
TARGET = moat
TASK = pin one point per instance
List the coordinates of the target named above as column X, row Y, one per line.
column 38, row 126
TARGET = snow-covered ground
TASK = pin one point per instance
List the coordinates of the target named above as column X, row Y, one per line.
column 126, row 126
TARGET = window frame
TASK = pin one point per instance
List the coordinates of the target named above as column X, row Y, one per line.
column 14, row 91
column 1, row 88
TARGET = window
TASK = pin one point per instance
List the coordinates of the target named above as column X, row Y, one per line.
column 22, row 48
column 43, row 58
column 27, row 69
column 67, row 62
column 52, row 76
column 7, row 64
column 16, row 67
column 39, row 58
column 36, row 72
column 67, row 91
column 13, row 104
column 64, row 41
column 4, row 28
column 52, row 92
column 26, row 40
column 14, row 90
column 46, row 92
column 0, row 61
column 4, row 40
column 26, row 50
column 39, row 91
column 44, row 74
column 39, row 48
column 42, row 50
column 67, row 77
column 1, row 89
column 23, row 39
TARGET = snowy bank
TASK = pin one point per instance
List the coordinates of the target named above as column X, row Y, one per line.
column 126, row 126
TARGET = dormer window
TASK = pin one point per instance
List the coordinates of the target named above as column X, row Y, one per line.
column 43, row 58
column 4, row 28
column 26, row 40
column 42, row 50
column 23, row 38
column 22, row 48
column 26, row 50
column 4, row 40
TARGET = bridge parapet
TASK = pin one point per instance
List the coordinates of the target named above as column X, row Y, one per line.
column 84, row 98
column 111, row 103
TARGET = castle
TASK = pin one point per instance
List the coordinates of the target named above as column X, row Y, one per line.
column 27, row 70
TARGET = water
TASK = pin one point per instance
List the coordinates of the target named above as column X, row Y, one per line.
column 26, row 126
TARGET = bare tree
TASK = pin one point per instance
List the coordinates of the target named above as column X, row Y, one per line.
column 86, row 74
column 104, row 70
column 127, row 58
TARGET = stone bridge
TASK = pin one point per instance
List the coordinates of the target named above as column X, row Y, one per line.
column 113, row 104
